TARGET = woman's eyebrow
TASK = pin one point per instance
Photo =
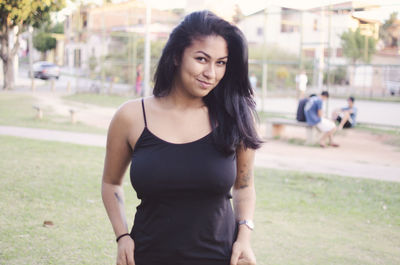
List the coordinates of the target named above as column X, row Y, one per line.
column 208, row 56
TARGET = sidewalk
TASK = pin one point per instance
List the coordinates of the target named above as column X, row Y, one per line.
column 53, row 135
column 349, row 160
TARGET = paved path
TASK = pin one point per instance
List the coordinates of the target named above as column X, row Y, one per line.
column 274, row 154
column 53, row 135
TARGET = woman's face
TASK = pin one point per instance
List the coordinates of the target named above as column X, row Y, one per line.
column 202, row 66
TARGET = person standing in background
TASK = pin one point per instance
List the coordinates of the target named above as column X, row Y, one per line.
column 139, row 80
column 301, row 84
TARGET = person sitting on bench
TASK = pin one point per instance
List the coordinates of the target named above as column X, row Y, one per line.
column 314, row 117
column 300, row 116
column 346, row 117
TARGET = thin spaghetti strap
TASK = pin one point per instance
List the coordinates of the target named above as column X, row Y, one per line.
column 144, row 114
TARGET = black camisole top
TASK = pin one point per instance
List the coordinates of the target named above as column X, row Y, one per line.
column 185, row 215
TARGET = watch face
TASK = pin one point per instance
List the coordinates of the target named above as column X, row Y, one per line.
column 250, row 224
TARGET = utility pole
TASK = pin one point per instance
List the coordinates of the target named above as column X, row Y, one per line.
column 134, row 60
column 301, row 59
column 147, row 51
column 103, row 52
column 366, row 47
column 328, row 81
column 321, row 51
column 264, row 63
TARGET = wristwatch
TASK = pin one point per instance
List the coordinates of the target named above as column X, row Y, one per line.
column 248, row 223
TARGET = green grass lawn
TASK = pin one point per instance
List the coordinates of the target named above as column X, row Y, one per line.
column 17, row 110
column 101, row 100
column 300, row 218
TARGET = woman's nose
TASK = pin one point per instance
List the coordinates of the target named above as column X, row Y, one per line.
column 209, row 71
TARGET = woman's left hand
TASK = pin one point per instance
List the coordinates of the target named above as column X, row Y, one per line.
column 242, row 254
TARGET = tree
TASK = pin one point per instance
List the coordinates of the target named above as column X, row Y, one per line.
column 389, row 31
column 15, row 17
column 58, row 28
column 354, row 46
column 43, row 40
column 117, row 59
column 238, row 14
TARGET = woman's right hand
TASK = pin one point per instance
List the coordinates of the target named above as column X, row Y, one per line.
column 126, row 248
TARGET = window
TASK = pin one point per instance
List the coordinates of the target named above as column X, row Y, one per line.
column 289, row 28
column 309, row 53
column 84, row 20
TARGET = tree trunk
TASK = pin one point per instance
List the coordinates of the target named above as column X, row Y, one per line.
column 7, row 54
column 8, row 70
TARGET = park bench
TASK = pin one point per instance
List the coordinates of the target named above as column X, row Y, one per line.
column 277, row 126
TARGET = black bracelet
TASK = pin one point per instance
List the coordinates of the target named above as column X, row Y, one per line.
column 121, row 236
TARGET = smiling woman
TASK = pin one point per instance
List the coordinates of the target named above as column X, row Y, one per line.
column 188, row 145
column 202, row 66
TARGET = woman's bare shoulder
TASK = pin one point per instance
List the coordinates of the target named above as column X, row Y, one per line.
column 128, row 116
column 128, row 120
column 129, row 111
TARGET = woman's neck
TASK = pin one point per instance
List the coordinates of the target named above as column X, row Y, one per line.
column 177, row 98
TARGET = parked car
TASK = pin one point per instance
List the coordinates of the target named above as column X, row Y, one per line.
column 46, row 70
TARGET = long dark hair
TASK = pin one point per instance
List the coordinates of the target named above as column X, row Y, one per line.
column 230, row 104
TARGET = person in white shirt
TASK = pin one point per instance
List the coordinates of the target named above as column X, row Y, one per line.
column 301, row 84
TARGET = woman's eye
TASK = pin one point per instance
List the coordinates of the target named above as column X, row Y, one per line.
column 201, row 59
column 221, row 63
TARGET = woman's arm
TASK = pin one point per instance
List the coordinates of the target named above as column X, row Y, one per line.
column 244, row 198
column 117, row 159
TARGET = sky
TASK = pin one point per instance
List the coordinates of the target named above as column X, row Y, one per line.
column 251, row 6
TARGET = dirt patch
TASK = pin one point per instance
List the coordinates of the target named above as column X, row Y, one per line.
column 361, row 154
column 85, row 113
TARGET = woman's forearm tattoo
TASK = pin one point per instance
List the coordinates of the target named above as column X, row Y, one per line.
column 121, row 202
column 119, row 199
column 244, row 178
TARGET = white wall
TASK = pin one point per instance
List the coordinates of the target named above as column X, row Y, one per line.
column 290, row 41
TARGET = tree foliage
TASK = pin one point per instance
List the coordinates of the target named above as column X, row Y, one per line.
column 27, row 12
column 118, row 60
column 20, row 14
column 58, row 28
column 354, row 45
column 387, row 31
column 238, row 15
column 44, row 42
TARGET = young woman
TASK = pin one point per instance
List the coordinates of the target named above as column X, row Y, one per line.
column 188, row 145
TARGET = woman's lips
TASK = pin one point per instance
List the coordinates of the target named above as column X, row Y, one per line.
column 204, row 84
